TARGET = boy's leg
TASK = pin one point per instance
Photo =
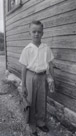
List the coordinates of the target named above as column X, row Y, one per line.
column 42, row 103
column 32, row 117
column 32, row 90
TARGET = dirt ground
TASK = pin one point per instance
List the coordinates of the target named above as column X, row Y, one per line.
column 11, row 117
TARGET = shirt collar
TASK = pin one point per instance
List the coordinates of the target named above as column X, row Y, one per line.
column 42, row 45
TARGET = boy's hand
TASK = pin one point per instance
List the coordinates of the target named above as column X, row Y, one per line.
column 25, row 92
column 51, row 87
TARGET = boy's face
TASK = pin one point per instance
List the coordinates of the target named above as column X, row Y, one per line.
column 36, row 32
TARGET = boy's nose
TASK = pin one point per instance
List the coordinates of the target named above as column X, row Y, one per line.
column 36, row 33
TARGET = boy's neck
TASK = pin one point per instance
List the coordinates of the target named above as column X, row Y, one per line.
column 37, row 44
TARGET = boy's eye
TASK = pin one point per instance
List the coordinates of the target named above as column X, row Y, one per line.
column 36, row 32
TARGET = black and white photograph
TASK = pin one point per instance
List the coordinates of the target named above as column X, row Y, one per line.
column 37, row 67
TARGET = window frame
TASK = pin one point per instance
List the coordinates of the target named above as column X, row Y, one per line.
column 11, row 10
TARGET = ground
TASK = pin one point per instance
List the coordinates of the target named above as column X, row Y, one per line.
column 11, row 115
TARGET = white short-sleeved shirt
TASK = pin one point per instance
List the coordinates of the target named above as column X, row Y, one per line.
column 36, row 58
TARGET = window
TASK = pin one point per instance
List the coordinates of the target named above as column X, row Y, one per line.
column 13, row 5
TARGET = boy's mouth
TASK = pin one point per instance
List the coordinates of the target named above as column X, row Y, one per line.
column 36, row 37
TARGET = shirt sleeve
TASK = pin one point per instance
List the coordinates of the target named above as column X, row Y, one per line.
column 50, row 55
column 24, row 57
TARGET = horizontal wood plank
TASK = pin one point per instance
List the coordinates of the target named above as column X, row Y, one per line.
column 63, row 114
column 65, row 77
column 66, row 66
column 65, row 54
column 64, row 100
column 15, row 64
column 18, row 30
column 21, row 43
column 67, row 42
column 13, row 55
column 14, row 71
column 66, row 89
column 65, row 83
column 17, row 50
column 22, row 36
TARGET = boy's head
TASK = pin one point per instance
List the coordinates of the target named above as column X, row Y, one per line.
column 36, row 31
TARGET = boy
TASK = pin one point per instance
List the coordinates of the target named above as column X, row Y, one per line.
column 36, row 58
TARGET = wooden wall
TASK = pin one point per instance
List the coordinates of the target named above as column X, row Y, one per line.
column 59, row 19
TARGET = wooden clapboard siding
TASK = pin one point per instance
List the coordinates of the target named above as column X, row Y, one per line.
column 59, row 20
column 58, row 53
column 64, row 100
column 54, row 31
column 26, row 5
column 15, row 50
column 22, row 36
column 21, row 43
column 68, row 89
column 49, row 32
column 55, row 42
column 61, row 8
column 65, row 54
column 14, row 55
column 35, row 8
column 67, row 18
column 15, row 63
column 69, row 67
column 14, row 69
column 25, row 21
column 18, row 30
column 62, row 42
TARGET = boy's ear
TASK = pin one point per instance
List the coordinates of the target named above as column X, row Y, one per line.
column 42, row 33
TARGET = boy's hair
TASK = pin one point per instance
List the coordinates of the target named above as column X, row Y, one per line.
column 36, row 22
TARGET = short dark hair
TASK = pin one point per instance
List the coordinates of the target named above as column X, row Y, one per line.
column 36, row 22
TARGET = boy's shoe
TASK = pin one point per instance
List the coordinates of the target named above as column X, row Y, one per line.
column 35, row 133
column 44, row 128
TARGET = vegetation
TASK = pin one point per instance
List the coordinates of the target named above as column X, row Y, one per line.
column 1, row 41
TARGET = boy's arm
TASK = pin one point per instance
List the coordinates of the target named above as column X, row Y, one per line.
column 24, row 89
column 51, row 69
column 50, row 77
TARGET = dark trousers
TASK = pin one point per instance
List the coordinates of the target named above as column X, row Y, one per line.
column 37, row 96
